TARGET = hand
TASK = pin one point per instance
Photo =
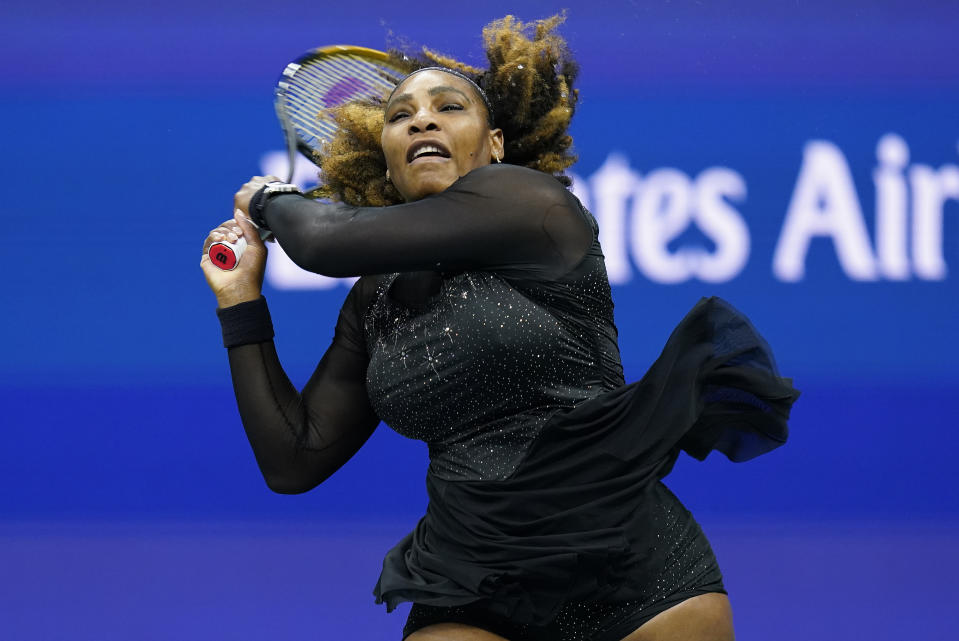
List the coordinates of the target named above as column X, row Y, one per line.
column 241, row 200
column 245, row 281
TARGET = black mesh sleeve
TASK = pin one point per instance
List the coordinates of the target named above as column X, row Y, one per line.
column 499, row 217
column 300, row 438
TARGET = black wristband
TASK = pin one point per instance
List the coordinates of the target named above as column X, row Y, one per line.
column 262, row 197
column 256, row 207
column 246, row 323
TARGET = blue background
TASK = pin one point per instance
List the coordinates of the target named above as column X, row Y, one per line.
column 130, row 504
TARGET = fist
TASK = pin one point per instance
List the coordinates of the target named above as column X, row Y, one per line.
column 241, row 200
column 245, row 282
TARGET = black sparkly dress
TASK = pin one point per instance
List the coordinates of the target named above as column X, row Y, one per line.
column 547, row 517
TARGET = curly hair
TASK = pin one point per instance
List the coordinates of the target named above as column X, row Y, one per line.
column 529, row 84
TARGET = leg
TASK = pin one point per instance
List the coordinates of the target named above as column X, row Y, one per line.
column 706, row 617
column 453, row 632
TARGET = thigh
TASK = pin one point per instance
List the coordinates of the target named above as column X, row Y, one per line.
column 707, row 617
column 453, row 632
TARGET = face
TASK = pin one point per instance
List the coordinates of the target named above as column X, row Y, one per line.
column 436, row 131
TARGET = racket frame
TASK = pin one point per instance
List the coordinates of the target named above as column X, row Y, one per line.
column 293, row 141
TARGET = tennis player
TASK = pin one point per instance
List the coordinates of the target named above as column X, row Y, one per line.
column 482, row 324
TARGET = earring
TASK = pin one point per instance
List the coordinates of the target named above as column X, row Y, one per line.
column 497, row 158
column 387, row 175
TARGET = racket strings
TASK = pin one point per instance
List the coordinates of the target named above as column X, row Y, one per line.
column 312, row 86
column 333, row 69
column 331, row 81
column 317, row 87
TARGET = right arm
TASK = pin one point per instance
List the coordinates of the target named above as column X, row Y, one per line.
column 299, row 438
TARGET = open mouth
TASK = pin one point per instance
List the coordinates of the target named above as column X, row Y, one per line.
column 426, row 150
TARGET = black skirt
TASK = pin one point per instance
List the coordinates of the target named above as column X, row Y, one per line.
column 585, row 518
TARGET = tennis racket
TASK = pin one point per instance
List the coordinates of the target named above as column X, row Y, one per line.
column 308, row 89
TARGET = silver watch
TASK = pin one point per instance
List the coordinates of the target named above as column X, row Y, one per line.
column 277, row 187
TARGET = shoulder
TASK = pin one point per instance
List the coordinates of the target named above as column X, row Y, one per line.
column 521, row 190
column 363, row 293
column 506, row 175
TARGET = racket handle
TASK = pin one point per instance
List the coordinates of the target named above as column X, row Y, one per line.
column 225, row 255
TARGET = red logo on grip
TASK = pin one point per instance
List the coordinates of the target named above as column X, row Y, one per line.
column 222, row 256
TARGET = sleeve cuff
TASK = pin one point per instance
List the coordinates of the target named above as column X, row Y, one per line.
column 246, row 323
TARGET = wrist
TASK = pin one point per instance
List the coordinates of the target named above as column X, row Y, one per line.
column 237, row 295
column 262, row 197
column 246, row 323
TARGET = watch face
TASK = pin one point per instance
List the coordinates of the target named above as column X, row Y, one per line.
column 281, row 188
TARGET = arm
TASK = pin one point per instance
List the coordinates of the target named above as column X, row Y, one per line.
column 498, row 217
column 301, row 438
column 298, row 438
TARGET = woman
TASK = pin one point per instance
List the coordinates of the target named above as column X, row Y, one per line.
column 491, row 337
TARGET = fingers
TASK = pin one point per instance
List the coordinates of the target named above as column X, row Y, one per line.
column 241, row 199
column 228, row 232
column 262, row 180
column 247, row 229
column 225, row 233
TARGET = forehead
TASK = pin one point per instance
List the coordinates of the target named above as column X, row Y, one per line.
column 424, row 81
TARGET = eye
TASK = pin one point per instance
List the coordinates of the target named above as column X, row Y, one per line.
column 398, row 116
column 452, row 106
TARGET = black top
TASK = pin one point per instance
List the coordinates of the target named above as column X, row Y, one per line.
column 491, row 337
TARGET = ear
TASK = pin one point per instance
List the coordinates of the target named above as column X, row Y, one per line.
column 496, row 146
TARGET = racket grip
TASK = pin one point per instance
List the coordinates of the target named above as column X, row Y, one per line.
column 225, row 255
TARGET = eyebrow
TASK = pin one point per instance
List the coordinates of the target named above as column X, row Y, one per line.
column 433, row 92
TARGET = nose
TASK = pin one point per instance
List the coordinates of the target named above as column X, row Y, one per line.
column 422, row 120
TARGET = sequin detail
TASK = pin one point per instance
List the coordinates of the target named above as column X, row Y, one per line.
column 478, row 369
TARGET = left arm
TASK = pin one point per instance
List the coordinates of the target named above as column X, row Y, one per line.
column 496, row 217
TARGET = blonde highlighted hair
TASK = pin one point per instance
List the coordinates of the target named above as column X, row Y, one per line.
column 529, row 84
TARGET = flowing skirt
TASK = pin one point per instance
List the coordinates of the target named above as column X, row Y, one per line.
column 584, row 516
